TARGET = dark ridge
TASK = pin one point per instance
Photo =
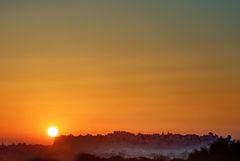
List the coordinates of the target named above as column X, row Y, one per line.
column 128, row 138
column 124, row 146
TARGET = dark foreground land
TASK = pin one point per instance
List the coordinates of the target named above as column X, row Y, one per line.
column 223, row 149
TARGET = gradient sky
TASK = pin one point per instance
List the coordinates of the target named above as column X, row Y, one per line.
column 98, row 66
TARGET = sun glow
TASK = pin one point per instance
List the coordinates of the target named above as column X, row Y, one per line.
column 52, row 131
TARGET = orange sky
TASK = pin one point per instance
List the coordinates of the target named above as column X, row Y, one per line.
column 97, row 67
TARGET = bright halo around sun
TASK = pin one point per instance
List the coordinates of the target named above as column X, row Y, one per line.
column 52, row 131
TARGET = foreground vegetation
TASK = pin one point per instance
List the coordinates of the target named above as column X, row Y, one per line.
column 224, row 149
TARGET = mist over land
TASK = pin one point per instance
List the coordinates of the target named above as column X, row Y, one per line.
column 119, row 143
column 130, row 145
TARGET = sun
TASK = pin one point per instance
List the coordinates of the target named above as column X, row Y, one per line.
column 52, row 131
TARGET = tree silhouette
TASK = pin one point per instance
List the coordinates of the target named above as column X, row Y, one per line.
column 222, row 150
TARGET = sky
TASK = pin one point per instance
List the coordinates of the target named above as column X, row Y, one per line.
column 99, row 66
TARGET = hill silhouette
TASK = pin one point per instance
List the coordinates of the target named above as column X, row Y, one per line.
column 224, row 149
column 119, row 143
column 129, row 145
